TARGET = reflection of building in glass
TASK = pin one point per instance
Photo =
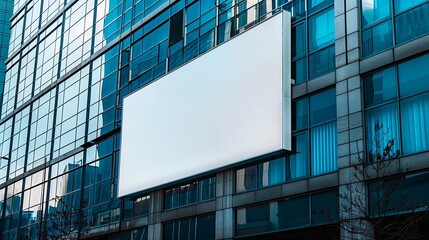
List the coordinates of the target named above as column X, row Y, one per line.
column 6, row 8
column 70, row 64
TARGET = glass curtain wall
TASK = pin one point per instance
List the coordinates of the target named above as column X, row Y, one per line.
column 388, row 23
column 397, row 98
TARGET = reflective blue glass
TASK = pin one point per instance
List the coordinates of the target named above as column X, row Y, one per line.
column 377, row 38
column 299, row 45
column 415, row 124
column 324, row 149
column 298, row 9
column 324, row 207
column 322, row 62
column 192, row 12
column 299, row 70
column 272, row 172
column 410, row 194
column 412, row 24
column 321, row 30
column 247, row 179
column 401, row 5
column 314, row 5
column 374, row 10
column 256, row 219
column 300, row 114
column 323, row 107
column 299, row 160
column 386, row 117
column 205, row 227
column 414, row 75
column 294, row 212
column 380, row 87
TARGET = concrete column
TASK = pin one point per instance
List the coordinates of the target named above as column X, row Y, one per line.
column 224, row 212
column 154, row 227
column 349, row 108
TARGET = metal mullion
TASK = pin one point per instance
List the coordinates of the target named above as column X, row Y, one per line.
column 398, row 107
column 308, row 131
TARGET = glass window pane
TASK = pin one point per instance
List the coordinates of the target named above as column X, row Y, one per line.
column 324, row 207
column 414, row 75
column 377, row 38
column 188, row 194
column 298, row 9
column 299, row 44
column 257, row 219
column 294, row 212
column 401, row 5
column 386, row 120
column 299, row 70
column 380, row 87
column 409, row 192
column 300, row 114
column 314, row 5
column 415, row 124
column 324, row 149
column 168, row 233
column 322, row 31
column 246, row 179
column 322, row 62
column 205, row 227
column 192, row 12
column 272, row 172
column 207, row 188
column 412, row 24
column 141, row 206
column 374, row 10
column 139, row 234
column 323, row 107
column 298, row 164
column 171, row 198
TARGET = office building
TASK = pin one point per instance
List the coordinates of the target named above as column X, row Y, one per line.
column 356, row 65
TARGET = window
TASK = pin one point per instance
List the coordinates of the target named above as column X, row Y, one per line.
column 322, row 32
column 374, row 10
column 202, row 227
column 136, row 207
column 379, row 25
column 321, row 35
column 261, row 175
column 377, row 38
column 190, row 193
column 399, row 195
column 314, row 5
column 314, row 125
column 291, row 213
column 402, row 5
column 412, row 24
column 410, row 108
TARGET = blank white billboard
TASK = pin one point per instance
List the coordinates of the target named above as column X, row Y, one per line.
column 228, row 105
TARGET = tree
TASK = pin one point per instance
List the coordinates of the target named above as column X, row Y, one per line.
column 371, row 204
column 65, row 221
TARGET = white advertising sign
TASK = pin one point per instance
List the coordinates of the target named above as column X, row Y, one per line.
column 226, row 106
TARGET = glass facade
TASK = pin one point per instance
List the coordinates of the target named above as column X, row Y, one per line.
column 6, row 8
column 191, row 193
column 297, row 212
column 397, row 98
column 68, row 64
column 201, row 227
column 386, row 23
column 313, row 34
